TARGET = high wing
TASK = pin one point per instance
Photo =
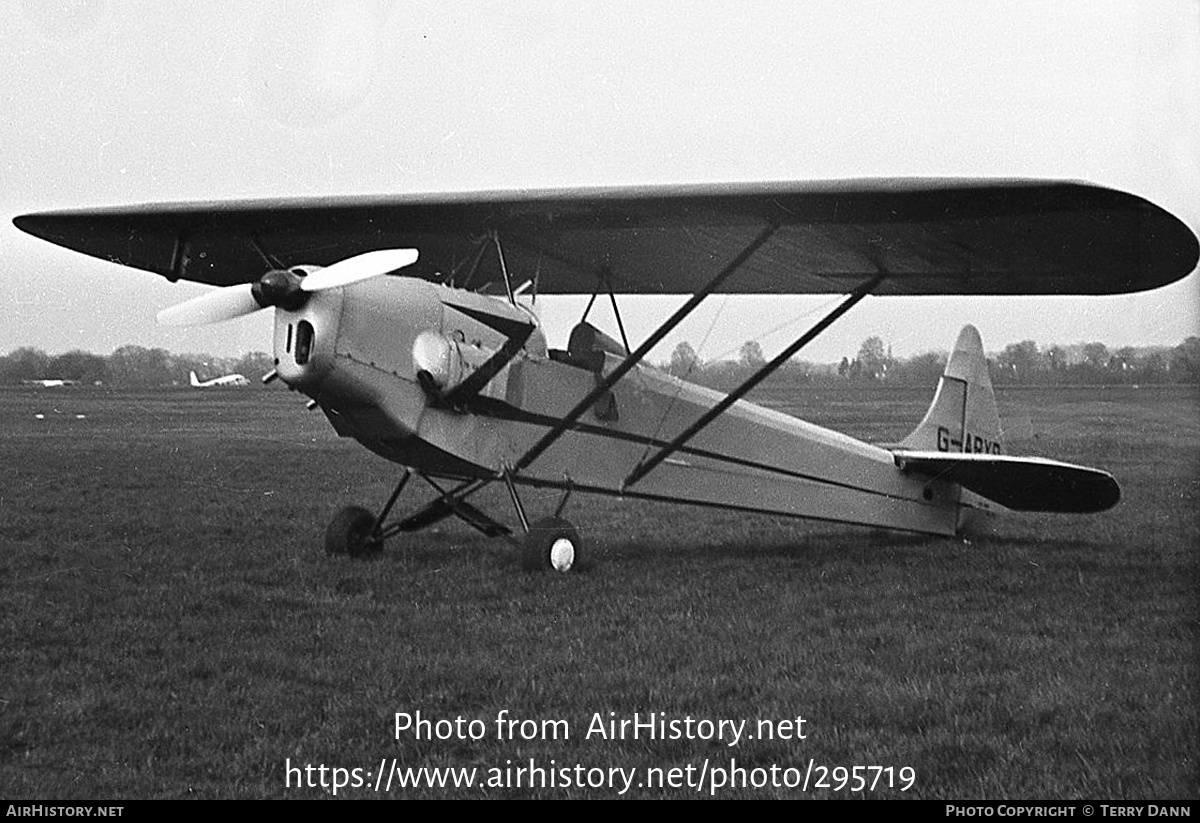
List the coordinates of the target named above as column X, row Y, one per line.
column 931, row 236
column 1028, row 484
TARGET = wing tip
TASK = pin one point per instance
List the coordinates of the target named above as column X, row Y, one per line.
column 30, row 224
column 1107, row 492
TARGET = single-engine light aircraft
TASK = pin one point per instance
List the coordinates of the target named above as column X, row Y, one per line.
column 407, row 320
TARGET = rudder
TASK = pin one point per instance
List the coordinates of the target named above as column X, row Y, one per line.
column 963, row 416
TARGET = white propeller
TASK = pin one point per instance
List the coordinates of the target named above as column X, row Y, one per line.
column 283, row 288
column 358, row 268
column 213, row 307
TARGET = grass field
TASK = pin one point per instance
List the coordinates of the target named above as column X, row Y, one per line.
column 171, row 627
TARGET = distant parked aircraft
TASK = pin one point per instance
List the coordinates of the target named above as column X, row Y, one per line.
column 227, row 380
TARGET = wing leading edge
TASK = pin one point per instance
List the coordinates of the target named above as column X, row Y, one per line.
column 1028, row 484
column 940, row 236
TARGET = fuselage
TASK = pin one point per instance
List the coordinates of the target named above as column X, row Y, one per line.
column 360, row 351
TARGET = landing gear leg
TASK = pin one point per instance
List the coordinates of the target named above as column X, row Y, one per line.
column 357, row 532
column 551, row 543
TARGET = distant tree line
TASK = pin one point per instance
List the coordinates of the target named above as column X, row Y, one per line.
column 1024, row 363
column 127, row 367
column 1021, row 363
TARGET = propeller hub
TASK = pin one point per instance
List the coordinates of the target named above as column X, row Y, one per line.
column 279, row 287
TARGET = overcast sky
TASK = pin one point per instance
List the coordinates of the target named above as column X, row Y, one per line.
column 110, row 103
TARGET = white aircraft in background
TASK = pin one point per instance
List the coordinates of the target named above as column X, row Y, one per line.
column 227, row 380
column 52, row 383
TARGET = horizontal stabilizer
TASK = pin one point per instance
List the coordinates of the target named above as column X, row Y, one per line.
column 1030, row 484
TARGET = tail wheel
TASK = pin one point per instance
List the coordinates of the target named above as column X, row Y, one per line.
column 350, row 532
column 552, row 544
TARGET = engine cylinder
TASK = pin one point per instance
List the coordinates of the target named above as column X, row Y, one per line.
column 438, row 357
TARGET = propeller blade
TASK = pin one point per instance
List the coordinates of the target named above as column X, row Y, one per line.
column 358, row 268
column 222, row 304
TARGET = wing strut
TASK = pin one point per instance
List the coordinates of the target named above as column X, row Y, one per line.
column 179, row 257
column 645, row 466
column 604, row 277
column 476, row 259
column 504, row 268
column 271, row 260
column 626, row 365
column 616, row 312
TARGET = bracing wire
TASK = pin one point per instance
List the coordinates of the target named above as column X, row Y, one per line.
column 822, row 308
column 678, row 389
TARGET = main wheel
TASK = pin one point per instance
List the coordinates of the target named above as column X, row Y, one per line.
column 350, row 533
column 553, row 544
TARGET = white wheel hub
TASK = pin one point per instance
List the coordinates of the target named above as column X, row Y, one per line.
column 562, row 555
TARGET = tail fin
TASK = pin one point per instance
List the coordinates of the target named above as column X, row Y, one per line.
column 195, row 381
column 963, row 416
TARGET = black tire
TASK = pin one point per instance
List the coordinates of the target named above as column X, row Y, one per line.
column 350, row 533
column 552, row 544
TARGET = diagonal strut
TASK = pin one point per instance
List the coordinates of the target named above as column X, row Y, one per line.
column 644, row 467
column 653, row 340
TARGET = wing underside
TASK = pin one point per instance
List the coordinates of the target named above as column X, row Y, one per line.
column 930, row 236
column 1031, row 484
